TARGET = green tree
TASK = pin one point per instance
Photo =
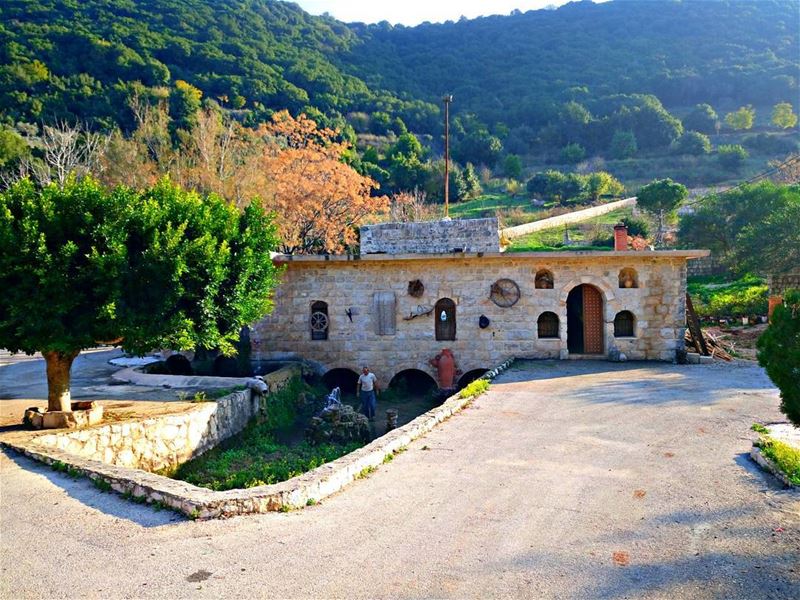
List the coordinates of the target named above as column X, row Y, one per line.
column 12, row 147
column 783, row 116
column 731, row 156
column 184, row 104
column 573, row 153
column 601, row 183
column 623, row 144
column 779, row 353
column 751, row 227
column 661, row 199
column 472, row 182
column 694, row 143
column 512, row 166
column 703, row 118
column 163, row 268
column 742, row 118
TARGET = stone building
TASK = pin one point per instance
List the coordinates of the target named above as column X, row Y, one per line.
column 418, row 288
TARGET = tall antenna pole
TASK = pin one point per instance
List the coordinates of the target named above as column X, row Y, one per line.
column 447, row 100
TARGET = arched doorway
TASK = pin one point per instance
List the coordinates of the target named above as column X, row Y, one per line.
column 344, row 379
column 413, row 381
column 470, row 376
column 585, row 320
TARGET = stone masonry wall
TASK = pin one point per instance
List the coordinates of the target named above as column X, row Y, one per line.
column 467, row 235
column 658, row 305
column 703, row 267
column 165, row 441
column 778, row 284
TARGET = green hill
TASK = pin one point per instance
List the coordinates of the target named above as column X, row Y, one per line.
column 617, row 80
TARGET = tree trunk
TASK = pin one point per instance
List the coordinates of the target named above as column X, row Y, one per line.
column 58, row 376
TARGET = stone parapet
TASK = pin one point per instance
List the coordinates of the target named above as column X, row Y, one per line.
column 431, row 237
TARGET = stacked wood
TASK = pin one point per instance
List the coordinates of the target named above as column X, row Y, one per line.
column 715, row 346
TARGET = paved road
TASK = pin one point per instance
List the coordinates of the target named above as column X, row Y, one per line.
column 23, row 383
column 566, row 480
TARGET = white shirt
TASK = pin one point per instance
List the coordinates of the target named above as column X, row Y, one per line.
column 367, row 381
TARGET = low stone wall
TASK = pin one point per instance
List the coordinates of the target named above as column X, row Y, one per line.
column 166, row 441
column 705, row 267
column 202, row 503
column 573, row 217
column 778, row 284
column 431, row 237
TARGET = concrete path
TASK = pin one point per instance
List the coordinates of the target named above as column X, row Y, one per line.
column 567, row 479
column 23, row 383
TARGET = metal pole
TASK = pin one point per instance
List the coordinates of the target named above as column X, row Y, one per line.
column 447, row 100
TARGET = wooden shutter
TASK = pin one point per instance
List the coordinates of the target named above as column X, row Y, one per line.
column 385, row 313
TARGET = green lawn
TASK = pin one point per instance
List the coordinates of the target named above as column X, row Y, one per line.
column 513, row 210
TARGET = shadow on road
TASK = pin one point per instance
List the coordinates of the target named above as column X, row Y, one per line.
column 83, row 490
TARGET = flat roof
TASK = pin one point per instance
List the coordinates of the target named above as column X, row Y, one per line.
column 343, row 258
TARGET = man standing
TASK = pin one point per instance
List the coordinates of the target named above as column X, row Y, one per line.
column 367, row 388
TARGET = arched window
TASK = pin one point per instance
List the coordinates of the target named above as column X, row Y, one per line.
column 548, row 325
column 445, row 317
column 628, row 278
column 544, row 280
column 319, row 320
column 624, row 324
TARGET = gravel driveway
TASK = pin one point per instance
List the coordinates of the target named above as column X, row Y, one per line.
column 568, row 479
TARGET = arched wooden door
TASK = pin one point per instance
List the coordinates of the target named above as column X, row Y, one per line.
column 585, row 320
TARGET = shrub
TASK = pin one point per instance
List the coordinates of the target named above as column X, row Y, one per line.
column 745, row 296
column 476, row 388
column 573, row 153
column 779, row 353
column 785, row 457
column 692, row 142
column 731, row 156
column 636, row 226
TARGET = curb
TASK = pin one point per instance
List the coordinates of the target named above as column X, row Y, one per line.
column 201, row 503
column 767, row 464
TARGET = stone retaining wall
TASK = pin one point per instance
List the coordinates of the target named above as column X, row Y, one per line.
column 165, row 441
column 705, row 267
column 459, row 235
column 561, row 220
column 778, row 284
column 202, row 503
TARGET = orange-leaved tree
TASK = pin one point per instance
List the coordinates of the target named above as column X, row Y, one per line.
column 318, row 198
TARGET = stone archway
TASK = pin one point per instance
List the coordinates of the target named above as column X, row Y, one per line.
column 585, row 320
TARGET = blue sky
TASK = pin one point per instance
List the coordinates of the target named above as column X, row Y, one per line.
column 412, row 12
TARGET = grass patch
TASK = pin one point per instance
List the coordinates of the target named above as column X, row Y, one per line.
column 592, row 234
column 256, row 456
column 715, row 297
column 785, row 457
column 759, row 428
column 476, row 388
column 366, row 472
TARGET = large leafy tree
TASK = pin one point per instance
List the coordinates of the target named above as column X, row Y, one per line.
column 661, row 199
column 160, row 268
column 779, row 353
column 753, row 227
column 320, row 199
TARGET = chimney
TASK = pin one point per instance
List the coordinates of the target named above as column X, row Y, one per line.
column 620, row 237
